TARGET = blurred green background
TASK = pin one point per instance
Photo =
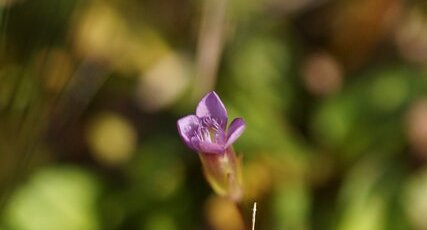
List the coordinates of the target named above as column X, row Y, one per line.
column 334, row 94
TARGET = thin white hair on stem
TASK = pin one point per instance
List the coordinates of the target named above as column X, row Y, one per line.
column 253, row 216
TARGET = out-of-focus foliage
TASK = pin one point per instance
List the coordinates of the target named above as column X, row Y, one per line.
column 334, row 94
column 55, row 198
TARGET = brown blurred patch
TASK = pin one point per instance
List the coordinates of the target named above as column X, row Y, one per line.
column 411, row 36
column 56, row 67
column 416, row 127
column 222, row 214
column 351, row 30
column 322, row 74
column 258, row 179
column 358, row 27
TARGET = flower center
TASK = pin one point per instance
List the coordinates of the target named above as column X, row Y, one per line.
column 210, row 131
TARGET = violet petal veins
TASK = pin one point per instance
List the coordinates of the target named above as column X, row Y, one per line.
column 211, row 106
column 186, row 127
column 206, row 131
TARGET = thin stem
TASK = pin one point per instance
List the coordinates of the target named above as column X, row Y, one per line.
column 210, row 44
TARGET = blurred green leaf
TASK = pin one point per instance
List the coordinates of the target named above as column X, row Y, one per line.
column 291, row 206
column 367, row 115
column 55, row 198
column 370, row 195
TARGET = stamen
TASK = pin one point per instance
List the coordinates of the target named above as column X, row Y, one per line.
column 210, row 131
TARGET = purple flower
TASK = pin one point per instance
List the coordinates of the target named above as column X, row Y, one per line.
column 206, row 132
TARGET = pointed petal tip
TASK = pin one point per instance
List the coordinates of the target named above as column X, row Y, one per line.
column 212, row 106
column 236, row 129
column 212, row 93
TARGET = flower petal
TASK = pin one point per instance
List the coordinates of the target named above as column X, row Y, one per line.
column 212, row 106
column 205, row 147
column 236, row 129
column 186, row 129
